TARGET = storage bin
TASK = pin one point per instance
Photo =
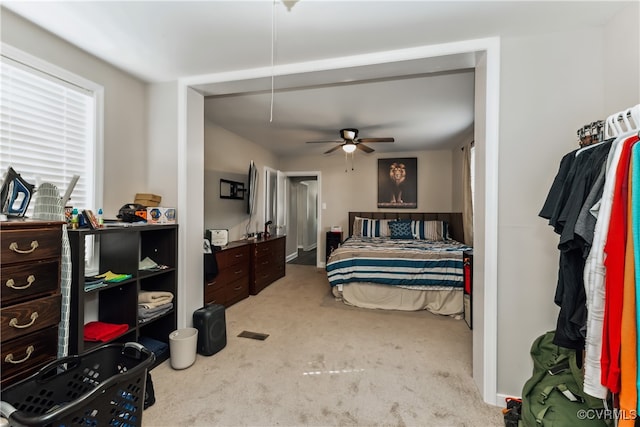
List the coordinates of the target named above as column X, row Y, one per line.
column 105, row 386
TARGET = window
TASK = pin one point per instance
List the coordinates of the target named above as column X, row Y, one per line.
column 49, row 122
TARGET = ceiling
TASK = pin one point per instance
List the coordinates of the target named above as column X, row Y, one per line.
column 423, row 104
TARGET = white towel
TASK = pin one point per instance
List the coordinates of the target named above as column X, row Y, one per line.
column 151, row 299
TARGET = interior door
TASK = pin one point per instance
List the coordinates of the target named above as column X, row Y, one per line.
column 275, row 206
column 281, row 203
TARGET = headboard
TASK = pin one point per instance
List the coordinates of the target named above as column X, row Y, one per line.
column 454, row 219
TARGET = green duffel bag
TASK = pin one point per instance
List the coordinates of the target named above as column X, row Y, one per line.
column 554, row 396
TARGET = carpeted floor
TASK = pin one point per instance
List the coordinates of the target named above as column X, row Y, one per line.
column 325, row 364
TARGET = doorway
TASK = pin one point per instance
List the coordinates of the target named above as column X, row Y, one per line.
column 487, row 65
column 302, row 235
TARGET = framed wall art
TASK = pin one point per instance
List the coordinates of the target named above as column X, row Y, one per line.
column 398, row 183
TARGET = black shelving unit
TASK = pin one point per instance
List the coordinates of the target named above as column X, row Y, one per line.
column 119, row 250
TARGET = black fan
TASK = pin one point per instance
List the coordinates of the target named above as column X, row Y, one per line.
column 349, row 143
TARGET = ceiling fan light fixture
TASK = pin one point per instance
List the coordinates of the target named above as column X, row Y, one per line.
column 349, row 134
column 349, row 147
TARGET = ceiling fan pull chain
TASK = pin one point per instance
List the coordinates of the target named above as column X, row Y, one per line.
column 273, row 25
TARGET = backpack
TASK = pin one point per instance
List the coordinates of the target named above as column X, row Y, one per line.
column 554, row 396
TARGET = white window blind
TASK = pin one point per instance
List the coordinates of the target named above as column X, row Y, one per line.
column 47, row 130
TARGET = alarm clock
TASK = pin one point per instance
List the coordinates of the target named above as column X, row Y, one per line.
column 218, row 237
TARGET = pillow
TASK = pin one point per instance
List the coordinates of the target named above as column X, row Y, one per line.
column 430, row 230
column 400, row 230
column 367, row 227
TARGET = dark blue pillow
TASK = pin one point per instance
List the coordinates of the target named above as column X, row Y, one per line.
column 400, row 229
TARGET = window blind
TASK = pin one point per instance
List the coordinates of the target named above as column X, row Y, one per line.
column 47, row 130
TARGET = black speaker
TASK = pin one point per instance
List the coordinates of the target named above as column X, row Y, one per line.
column 212, row 329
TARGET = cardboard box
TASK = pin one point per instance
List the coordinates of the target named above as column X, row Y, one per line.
column 160, row 215
column 147, row 199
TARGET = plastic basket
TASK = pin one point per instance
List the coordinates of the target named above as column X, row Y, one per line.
column 103, row 387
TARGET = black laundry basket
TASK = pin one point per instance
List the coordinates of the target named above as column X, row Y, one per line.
column 103, row 387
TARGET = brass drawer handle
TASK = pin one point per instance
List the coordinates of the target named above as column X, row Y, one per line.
column 14, row 322
column 238, row 272
column 211, row 283
column 12, row 284
column 9, row 358
column 13, row 246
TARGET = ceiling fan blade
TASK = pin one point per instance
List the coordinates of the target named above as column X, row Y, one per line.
column 365, row 148
column 376, row 140
column 314, row 142
column 333, row 149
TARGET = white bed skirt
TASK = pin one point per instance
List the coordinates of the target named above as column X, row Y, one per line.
column 371, row 295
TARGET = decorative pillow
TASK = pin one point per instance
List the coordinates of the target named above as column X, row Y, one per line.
column 367, row 227
column 400, row 229
column 430, row 230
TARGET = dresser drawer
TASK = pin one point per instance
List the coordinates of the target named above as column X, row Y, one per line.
column 30, row 244
column 226, row 293
column 21, row 319
column 232, row 273
column 229, row 257
column 21, row 281
column 22, row 356
column 238, row 290
column 215, row 293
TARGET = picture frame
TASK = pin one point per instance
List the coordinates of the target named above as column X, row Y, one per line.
column 92, row 220
column 398, row 183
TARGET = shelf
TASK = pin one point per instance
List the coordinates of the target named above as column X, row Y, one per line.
column 120, row 249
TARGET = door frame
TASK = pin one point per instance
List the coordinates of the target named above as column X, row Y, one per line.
column 190, row 145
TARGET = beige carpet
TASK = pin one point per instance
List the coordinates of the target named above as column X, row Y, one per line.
column 325, row 364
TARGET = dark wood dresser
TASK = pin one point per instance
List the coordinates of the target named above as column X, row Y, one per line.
column 268, row 262
column 30, row 254
column 232, row 282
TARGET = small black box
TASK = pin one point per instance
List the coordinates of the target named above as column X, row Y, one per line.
column 212, row 329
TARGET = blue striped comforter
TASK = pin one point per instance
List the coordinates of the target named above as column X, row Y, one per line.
column 404, row 263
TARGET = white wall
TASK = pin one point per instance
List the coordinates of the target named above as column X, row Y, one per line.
column 620, row 59
column 125, row 108
column 547, row 93
column 227, row 154
column 162, row 169
column 357, row 190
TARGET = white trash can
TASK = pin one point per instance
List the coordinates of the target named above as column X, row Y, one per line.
column 182, row 347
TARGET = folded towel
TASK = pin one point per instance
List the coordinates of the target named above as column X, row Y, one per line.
column 110, row 276
column 145, row 314
column 102, row 332
column 152, row 296
column 154, row 299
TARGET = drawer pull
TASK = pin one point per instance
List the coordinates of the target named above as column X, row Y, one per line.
column 211, row 283
column 14, row 321
column 13, row 246
column 12, row 284
column 238, row 272
column 239, row 255
column 237, row 288
column 9, row 358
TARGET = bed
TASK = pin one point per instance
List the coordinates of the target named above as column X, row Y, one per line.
column 401, row 261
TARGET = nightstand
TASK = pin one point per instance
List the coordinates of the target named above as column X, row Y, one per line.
column 333, row 241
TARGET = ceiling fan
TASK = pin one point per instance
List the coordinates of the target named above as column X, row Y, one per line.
column 349, row 142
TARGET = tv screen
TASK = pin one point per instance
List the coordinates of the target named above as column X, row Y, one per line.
column 252, row 188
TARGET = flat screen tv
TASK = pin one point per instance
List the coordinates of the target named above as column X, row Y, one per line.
column 252, row 188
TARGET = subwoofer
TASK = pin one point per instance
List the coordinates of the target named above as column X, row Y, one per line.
column 212, row 329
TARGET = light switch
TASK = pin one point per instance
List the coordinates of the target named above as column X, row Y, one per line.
column 324, row 206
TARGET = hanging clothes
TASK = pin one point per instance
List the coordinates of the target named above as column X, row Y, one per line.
column 594, row 278
column 579, row 171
